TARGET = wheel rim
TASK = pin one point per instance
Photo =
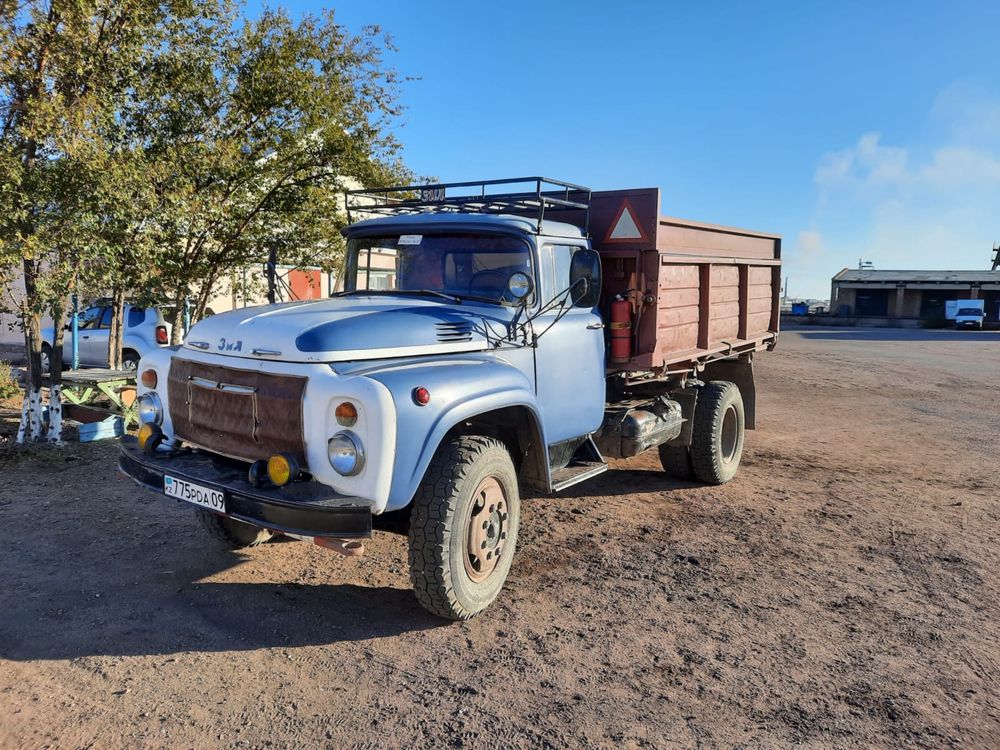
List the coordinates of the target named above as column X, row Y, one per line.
column 729, row 438
column 486, row 529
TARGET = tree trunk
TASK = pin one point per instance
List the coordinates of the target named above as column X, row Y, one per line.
column 30, row 428
column 177, row 324
column 55, row 375
column 115, row 334
column 204, row 295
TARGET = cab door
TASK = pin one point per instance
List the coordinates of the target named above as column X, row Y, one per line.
column 569, row 355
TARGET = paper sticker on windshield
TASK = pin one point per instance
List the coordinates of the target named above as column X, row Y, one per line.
column 410, row 239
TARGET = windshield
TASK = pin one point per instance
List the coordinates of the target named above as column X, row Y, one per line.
column 454, row 264
column 970, row 311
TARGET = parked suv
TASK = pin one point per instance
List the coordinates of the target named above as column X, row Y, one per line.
column 145, row 329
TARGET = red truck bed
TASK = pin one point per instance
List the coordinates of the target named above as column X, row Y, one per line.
column 698, row 292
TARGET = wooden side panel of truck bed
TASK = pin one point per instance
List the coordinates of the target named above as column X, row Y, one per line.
column 698, row 291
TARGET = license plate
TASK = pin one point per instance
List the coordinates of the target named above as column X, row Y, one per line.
column 206, row 497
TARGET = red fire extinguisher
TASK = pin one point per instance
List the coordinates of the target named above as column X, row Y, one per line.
column 621, row 329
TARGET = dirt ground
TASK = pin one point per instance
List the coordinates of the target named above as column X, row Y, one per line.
column 843, row 591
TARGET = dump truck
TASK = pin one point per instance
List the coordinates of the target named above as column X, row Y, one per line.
column 491, row 339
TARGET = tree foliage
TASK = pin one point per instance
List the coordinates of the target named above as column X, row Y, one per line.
column 153, row 149
column 251, row 135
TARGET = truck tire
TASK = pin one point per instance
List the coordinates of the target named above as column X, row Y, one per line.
column 234, row 534
column 467, row 504
column 717, row 437
column 676, row 461
column 46, row 358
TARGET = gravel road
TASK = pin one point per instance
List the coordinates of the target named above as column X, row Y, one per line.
column 843, row 591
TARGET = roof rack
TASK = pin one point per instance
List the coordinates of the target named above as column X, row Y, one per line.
column 542, row 196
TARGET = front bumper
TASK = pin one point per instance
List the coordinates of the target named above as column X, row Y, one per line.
column 304, row 508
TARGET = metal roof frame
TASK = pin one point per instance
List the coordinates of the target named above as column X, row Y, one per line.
column 548, row 195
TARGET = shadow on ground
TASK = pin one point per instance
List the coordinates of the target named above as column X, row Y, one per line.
column 615, row 482
column 106, row 576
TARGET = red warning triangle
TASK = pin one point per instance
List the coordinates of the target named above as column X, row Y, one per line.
column 626, row 226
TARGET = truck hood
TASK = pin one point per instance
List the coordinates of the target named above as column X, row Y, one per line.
column 350, row 328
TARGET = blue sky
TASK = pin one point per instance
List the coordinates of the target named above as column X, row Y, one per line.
column 852, row 129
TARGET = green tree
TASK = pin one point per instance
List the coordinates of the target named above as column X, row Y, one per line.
column 66, row 68
column 154, row 148
column 253, row 132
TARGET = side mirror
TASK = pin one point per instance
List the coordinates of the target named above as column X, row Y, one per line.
column 520, row 286
column 585, row 278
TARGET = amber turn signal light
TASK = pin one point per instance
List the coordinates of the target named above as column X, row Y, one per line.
column 150, row 436
column 148, row 379
column 347, row 414
column 282, row 469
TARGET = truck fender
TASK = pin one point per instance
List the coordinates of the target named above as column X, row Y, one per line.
column 462, row 392
column 738, row 370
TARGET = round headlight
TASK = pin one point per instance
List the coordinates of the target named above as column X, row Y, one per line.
column 150, row 408
column 346, row 454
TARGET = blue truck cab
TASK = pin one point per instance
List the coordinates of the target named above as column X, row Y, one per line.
column 463, row 363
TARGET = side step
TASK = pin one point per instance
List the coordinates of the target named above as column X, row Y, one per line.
column 587, row 462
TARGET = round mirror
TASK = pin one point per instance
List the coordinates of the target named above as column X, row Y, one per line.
column 519, row 285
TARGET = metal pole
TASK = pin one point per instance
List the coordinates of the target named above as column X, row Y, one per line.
column 187, row 315
column 74, row 329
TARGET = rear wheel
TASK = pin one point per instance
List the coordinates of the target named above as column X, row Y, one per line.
column 717, row 437
column 46, row 358
column 234, row 534
column 676, row 461
column 463, row 527
column 130, row 360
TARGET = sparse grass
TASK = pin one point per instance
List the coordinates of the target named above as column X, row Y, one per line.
column 8, row 385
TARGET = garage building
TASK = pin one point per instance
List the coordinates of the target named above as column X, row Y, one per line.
column 911, row 294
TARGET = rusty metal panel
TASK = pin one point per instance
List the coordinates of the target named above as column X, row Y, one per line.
column 680, row 236
column 701, row 288
column 245, row 414
column 679, row 315
column 725, row 302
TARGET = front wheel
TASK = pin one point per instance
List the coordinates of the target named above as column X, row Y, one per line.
column 463, row 527
column 717, row 437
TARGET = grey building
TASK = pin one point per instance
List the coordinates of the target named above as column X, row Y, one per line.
column 911, row 294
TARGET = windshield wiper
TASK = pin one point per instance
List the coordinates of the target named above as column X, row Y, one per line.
column 404, row 292
column 480, row 298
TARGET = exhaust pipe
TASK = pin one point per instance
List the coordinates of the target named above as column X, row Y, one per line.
column 345, row 547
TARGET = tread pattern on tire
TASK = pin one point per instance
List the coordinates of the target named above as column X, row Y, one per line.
column 708, row 414
column 218, row 527
column 433, row 521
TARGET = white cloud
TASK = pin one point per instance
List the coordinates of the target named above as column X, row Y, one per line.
column 868, row 161
column 957, row 166
column 810, row 242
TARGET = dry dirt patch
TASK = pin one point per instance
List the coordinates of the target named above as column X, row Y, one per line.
column 842, row 592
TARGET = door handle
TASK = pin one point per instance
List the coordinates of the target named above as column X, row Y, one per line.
column 595, row 326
